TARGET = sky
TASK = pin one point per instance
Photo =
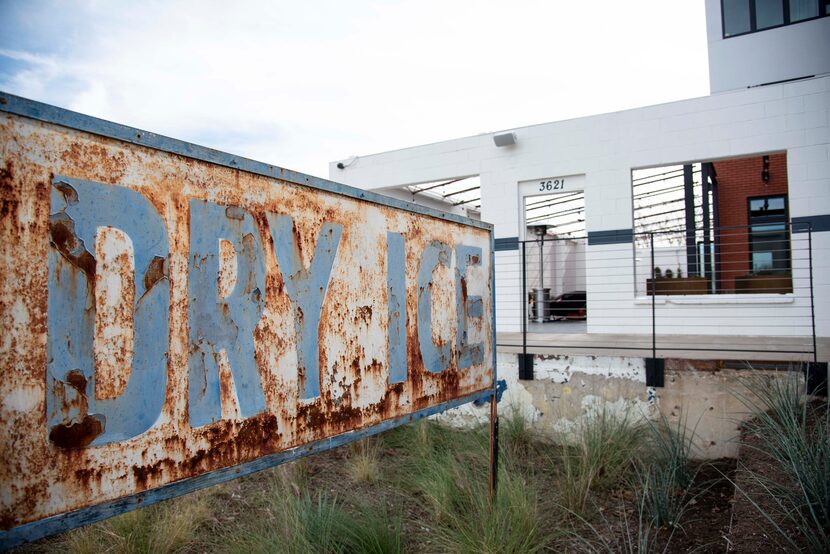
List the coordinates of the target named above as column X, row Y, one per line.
column 299, row 84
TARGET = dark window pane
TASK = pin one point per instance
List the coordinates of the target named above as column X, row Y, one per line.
column 767, row 206
column 735, row 17
column 803, row 9
column 768, row 13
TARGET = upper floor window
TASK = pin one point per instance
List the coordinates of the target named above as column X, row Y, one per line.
column 747, row 16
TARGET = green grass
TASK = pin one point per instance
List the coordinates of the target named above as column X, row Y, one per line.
column 664, row 476
column 306, row 523
column 512, row 524
column 516, row 433
column 163, row 528
column 780, row 415
column 364, row 460
column 599, row 457
column 425, row 487
column 450, row 477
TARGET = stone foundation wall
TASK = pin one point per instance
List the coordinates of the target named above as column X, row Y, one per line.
column 567, row 388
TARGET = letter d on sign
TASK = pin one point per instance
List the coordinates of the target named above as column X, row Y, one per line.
column 75, row 416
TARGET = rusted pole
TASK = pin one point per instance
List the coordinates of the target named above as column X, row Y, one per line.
column 494, row 448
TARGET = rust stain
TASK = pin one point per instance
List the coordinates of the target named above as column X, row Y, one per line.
column 76, row 435
column 114, row 312
column 9, row 204
column 352, row 353
column 62, row 233
column 77, row 381
column 364, row 313
column 154, row 273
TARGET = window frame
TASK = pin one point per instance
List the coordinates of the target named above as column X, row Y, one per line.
column 823, row 6
column 777, row 219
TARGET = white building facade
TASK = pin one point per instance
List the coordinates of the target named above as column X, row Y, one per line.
column 597, row 155
column 770, row 96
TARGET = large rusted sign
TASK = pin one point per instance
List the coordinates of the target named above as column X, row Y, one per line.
column 173, row 316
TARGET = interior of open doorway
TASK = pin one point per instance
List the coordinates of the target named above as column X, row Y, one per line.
column 555, row 242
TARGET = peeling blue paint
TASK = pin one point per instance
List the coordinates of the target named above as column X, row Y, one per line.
column 223, row 324
column 307, row 290
column 467, row 306
column 78, row 208
column 396, row 299
column 436, row 359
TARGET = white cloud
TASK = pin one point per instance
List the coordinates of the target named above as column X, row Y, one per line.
column 299, row 84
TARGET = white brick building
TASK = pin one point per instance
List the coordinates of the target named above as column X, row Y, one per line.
column 770, row 97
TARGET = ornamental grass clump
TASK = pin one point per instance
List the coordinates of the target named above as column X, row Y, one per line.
column 794, row 434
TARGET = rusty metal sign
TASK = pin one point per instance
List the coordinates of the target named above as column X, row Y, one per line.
column 173, row 316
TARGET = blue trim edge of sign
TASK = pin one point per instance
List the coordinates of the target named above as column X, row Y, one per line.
column 493, row 289
column 36, row 530
column 47, row 113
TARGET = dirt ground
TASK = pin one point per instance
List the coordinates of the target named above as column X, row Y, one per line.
column 716, row 519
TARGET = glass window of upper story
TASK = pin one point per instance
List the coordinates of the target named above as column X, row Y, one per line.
column 768, row 13
column 748, row 16
column 804, row 9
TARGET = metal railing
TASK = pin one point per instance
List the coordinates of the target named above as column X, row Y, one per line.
column 739, row 294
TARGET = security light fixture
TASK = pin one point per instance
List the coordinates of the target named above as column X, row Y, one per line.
column 505, row 139
column 350, row 161
column 765, row 170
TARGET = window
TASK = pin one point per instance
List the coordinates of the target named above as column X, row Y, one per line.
column 769, row 239
column 768, row 13
column 747, row 16
column 804, row 9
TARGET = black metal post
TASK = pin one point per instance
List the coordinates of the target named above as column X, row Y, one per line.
column 653, row 303
column 494, row 448
column 691, row 224
column 812, row 298
column 655, row 369
column 524, row 298
column 525, row 360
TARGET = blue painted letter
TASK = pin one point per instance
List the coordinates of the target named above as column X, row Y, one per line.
column 435, row 360
column 228, row 323
column 75, row 417
column 467, row 306
column 396, row 299
column 307, row 291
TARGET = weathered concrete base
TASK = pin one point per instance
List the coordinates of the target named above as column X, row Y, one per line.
column 566, row 389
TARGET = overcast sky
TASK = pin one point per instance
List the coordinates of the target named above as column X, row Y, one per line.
column 302, row 83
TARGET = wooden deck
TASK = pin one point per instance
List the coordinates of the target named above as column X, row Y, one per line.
column 695, row 347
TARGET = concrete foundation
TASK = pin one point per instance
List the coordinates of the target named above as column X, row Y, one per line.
column 566, row 389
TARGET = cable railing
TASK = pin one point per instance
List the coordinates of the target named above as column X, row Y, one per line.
column 736, row 293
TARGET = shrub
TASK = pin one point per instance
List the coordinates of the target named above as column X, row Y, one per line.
column 315, row 524
column 162, row 528
column 796, row 438
column 605, row 448
column 364, row 460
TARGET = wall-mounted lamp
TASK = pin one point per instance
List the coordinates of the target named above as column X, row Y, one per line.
column 505, row 139
column 350, row 161
column 765, row 171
